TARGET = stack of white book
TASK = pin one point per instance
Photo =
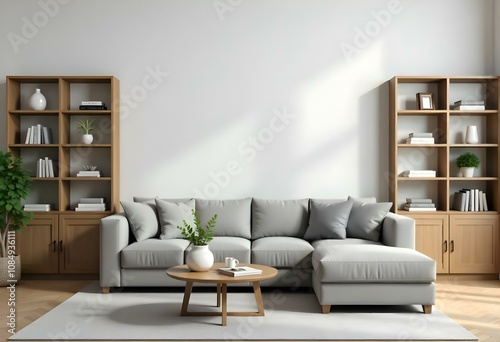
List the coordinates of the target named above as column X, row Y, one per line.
column 38, row 134
column 420, row 138
column 419, row 204
column 418, row 173
column 239, row 271
column 470, row 200
column 45, row 167
column 84, row 173
column 468, row 105
column 91, row 204
column 38, row 207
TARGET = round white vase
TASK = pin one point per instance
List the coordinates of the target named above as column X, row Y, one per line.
column 87, row 138
column 199, row 258
column 37, row 101
column 471, row 136
column 467, row 171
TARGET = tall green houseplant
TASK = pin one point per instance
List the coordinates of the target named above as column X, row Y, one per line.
column 14, row 187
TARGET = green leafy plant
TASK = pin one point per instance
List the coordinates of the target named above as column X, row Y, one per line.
column 86, row 126
column 468, row 159
column 14, row 187
column 197, row 235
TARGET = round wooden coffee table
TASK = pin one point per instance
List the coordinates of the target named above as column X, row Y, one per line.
column 212, row 276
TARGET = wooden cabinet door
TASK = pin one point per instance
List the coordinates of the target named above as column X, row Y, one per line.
column 79, row 236
column 474, row 244
column 431, row 239
column 37, row 245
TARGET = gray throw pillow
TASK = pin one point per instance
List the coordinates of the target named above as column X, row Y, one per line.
column 328, row 220
column 142, row 220
column 279, row 217
column 171, row 215
column 233, row 216
column 365, row 219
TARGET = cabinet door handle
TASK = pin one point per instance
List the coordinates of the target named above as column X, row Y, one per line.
column 446, row 246
column 60, row 246
column 54, row 246
column 452, row 245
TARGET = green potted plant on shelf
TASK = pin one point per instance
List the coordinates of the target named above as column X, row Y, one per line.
column 14, row 187
column 199, row 257
column 86, row 128
column 467, row 162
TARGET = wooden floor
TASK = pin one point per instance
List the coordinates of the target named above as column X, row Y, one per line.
column 475, row 304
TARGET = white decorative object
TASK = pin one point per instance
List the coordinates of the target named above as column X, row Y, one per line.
column 467, row 171
column 231, row 262
column 471, row 135
column 199, row 258
column 37, row 101
column 87, row 138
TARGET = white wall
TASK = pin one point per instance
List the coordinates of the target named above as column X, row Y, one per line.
column 235, row 67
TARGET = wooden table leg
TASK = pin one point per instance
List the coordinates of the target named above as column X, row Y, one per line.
column 258, row 298
column 187, row 295
column 224, row 304
column 218, row 294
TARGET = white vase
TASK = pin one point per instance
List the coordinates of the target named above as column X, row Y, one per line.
column 199, row 258
column 37, row 101
column 471, row 135
column 467, row 171
column 87, row 138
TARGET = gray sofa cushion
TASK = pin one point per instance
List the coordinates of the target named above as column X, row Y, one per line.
column 171, row 215
column 154, row 253
column 229, row 246
column 365, row 219
column 372, row 264
column 233, row 216
column 142, row 220
column 328, row 220
column 282, row 252
column 337, row 242
column 279, row 217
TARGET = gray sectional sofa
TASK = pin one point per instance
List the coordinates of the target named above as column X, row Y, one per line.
column 350, row 251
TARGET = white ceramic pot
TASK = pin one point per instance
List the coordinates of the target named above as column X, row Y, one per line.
column 467, row 171
column 199, row 258
column 87, row 138
column 37, row 101
column 10, row 271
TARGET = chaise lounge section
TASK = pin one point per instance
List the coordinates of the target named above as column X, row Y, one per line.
column 350, row 251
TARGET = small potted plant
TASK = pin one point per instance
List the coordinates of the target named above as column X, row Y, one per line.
column 14, row 187
column 467, row 162
column 86, row 128
column 199, row 258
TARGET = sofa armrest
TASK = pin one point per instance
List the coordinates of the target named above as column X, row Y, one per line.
column 114, row 237
column 398, row 231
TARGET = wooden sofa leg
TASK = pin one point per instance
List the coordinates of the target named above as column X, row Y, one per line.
column 105, row 290
column 427, row 309
column 325, row 308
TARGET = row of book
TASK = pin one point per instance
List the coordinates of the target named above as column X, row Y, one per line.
column 468, row 105
column 420, row 138
column 92, row 105
column 38, row 134
column 45, row 168
column 418, row 173
column 419, row 204
column 470, row 200
column 91, row 204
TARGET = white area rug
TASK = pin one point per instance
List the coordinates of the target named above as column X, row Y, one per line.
column 89, row 315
